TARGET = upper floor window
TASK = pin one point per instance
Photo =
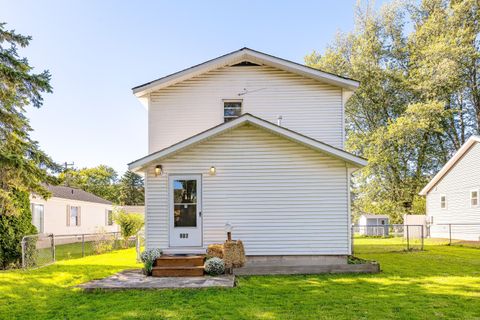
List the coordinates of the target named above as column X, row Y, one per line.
column 474, row 198
column 231, row 110
column 443, row 202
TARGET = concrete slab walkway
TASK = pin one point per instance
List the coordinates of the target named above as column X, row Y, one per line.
column 135, row 279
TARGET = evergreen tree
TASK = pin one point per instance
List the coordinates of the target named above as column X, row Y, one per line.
column 13, row 227
column 23, row 166
column 132, row 191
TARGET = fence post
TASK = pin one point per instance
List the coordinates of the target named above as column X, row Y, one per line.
column 23, row 253
column 408, row 239
column 450, row 234
column 137, row 247
column 422, row 236
column 351, row 238
column 53, row 246
column 83, row 245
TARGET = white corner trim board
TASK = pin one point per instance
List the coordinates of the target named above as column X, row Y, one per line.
column 139, row 164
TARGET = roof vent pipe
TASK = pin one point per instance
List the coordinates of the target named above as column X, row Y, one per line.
column 279, row 121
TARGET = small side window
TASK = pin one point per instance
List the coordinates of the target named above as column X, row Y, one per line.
column 443, row 202
column 474, row 198
column 109, row 218
column 231, row 110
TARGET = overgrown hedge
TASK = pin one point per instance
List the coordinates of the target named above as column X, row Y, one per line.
column 12, row 229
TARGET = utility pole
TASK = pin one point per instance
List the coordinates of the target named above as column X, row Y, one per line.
column 67, row 165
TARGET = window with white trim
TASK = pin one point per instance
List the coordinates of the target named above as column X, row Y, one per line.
column 474, row 198
column 443, row 201
column 231, row 110
column 109, row 218
column 74, row 216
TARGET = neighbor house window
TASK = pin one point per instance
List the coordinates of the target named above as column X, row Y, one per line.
column 231, row 110
column 37, row 216
column 443, row 202
column 109, row 219
column 73, row 216
column 474, row 198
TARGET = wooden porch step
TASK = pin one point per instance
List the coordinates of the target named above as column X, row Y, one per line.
column 196, row 271
column 180, row 261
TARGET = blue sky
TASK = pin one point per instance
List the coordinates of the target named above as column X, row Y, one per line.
column 98, row 50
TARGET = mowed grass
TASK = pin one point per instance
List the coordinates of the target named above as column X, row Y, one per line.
column 442, row 282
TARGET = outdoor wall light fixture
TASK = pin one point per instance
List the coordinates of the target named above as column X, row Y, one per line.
column 213, row 171
column 158, row 170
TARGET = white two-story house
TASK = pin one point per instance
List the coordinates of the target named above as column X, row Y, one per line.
column 252, row 142
column 453, row 195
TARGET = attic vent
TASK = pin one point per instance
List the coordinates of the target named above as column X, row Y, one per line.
column 245, row 64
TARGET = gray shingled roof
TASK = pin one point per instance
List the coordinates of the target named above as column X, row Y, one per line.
column 75, row 194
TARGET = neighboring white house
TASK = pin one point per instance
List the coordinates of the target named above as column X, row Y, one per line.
column 133, row 209
column 255, row 142
column 453, row 195
column 71, row 211
column 373, row 225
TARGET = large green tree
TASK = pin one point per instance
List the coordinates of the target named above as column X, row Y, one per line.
column 23, row 166
column 101, row 181
column 132, row 191
column 418, row 98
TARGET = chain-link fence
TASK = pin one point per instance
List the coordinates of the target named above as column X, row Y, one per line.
column 388, row 237
column 40, row 250
column 455, row 233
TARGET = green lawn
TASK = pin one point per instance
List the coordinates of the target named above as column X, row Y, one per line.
column 442, row 282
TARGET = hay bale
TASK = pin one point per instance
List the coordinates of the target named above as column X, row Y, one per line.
column 233, row 254
column 215, row 250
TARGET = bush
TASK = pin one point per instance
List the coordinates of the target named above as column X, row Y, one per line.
column 102, row 242
column 130, row 224
column 148, row 257
column 214, row 266
column 13, row 227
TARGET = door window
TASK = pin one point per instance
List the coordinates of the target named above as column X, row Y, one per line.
column 185, row 203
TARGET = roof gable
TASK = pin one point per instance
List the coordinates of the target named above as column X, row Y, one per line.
column 450, row 164
column 247, row 118
column 247, row 56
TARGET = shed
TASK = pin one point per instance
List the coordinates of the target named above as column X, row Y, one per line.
column 373, row 225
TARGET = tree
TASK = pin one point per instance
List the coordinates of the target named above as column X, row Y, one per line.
column 13, row 227
column 100, row 180
column 130, row 224
column 23, row 166
column 132, row 191
column 416, row 101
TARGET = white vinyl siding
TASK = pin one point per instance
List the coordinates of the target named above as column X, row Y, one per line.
column 457, row 185
column 307, row 106
column 281, row 198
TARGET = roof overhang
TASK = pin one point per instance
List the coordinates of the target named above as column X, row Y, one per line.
column 450, row 164
column 353, row 160
column 245, row 54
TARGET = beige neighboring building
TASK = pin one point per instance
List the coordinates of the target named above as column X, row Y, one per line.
column 133, row 209
column 71, row 211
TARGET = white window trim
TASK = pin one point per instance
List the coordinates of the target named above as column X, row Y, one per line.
column 232, row 100
column 471, row 198
column 109, row 211
column 43, row 218
column 446, row 201
column 78, row 216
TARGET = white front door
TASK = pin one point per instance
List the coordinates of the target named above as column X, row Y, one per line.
column 185, row 210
